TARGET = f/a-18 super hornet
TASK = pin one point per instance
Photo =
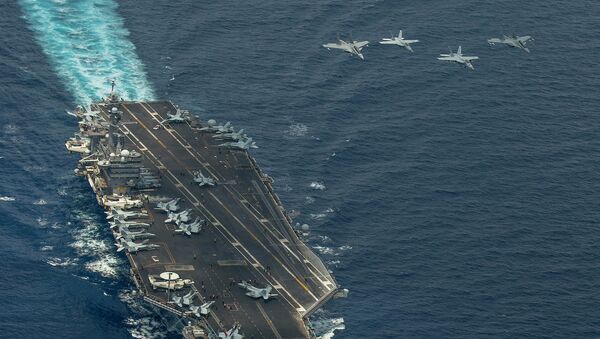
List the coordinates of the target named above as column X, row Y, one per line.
column 233, row 333
column 186, row 300
column 133, row 247
column 168, row 206
column 241, row 144
column 179, row 116
column 127, row 234
column 114, row 213
column 399, row 41
column 202, row 180
column 353, row 47
column 232, row 135
column 255, row 292
column 180, row 217
column 213, row 127
column 201, row 310
column 187, row 229
column 512, row 41
column 118, row 222
column 459, row 58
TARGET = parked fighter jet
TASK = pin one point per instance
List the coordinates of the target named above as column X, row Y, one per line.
column 398, row 40
column 169, row 206
column 202, row 180
column 201, row 310
column 213, row 127
column 241, row 144
column 512, row 41
column 133, row 247
column 186, row 300
column 459, row 58
column 354, row 47
column 232, row 135
column 123, row 215
column 233, row 333
column 179, row 116
column 125, row 233
column 118, row 222
column 178, row 218
column 255, row 292
column 188, row 229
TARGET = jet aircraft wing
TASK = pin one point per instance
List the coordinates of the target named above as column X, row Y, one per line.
column 360, row 44
column 524, row 38
column 334, row 45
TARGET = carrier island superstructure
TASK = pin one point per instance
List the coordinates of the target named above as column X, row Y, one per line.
column 206, row 237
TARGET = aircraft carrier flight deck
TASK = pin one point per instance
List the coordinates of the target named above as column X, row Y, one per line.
column 206, row 236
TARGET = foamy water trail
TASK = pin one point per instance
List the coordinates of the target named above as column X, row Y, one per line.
column 88, row 46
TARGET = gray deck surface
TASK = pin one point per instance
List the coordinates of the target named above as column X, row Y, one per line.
column 246, row 234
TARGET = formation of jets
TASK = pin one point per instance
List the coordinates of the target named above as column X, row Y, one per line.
column 356, row 47
column 257, row 293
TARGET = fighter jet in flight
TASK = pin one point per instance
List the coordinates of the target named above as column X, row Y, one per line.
column 133, row 247
column 233, row 333
column 255, row 292
column 232, row 135
column 123, row 215
column 512, row 41
column 188, row 229
column 179, row 116
column 168, row 206
column 398, row 40
column 186, row 300
column 213, row 127
column 241, row 144
column 202, row 180
column 459, row 58
column 178, row 218
column 354, row 47
column 201, row 310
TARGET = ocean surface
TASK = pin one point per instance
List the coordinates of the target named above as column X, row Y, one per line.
column 451, row 203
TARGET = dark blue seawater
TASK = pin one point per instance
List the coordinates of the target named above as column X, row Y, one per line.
column 456, row 203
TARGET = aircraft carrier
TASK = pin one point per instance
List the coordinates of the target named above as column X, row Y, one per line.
column 206, row 236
